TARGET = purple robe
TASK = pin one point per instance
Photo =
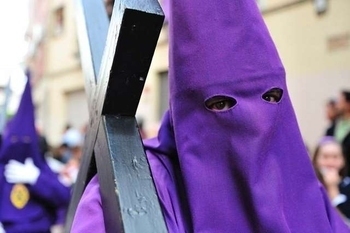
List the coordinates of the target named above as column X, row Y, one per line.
column 37, row 209
column 161, row 154
column 244, row 169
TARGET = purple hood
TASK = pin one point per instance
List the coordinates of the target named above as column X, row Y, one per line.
column 244, row 169
column 20, row 141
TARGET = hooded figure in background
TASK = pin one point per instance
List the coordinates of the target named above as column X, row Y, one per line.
column 30, row 191
column 229, row 156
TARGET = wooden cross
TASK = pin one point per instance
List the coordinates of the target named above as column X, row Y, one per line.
column 115, row 72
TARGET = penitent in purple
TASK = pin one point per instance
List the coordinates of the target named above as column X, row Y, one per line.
column 229, row 156
column 24, row 207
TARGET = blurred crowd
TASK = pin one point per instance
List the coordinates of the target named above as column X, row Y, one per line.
column 331, row 157
column 65, row 161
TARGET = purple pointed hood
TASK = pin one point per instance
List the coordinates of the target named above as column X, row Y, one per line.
column 19, row 142
column 20, row 133
column 244, row 169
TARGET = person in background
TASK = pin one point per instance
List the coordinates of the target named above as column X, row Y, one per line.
column 331, row 116
column 341, row 129
column 330, row 166
column 73, row 139
column 30, row 191
column 68, row 171
column 65, row 162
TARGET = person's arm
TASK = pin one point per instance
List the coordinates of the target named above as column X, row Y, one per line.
column 42, row 183
column 89, row 213
column 49, row 189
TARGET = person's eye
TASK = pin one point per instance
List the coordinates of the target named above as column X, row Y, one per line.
column 220, row 103
column 273, row 95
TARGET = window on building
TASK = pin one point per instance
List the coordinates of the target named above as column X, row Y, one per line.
column 163, row 93
column 77, row 109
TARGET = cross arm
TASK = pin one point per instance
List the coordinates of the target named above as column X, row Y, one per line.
column 131, row 40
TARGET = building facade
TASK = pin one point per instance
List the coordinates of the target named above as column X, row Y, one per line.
column 312, row 37
column 54, row 61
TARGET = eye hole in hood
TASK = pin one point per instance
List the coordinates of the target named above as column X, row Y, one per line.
column 274, row 95
column 220, row 103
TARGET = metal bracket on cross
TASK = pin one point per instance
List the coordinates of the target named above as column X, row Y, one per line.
column 113, row 147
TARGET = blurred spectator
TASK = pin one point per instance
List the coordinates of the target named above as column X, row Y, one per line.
column 341, row 129
column 61, row 153
column 72, row 141
column 70, row 153
column 331, row 115
column 65, row 161
column 72, row 137
column 330, row 166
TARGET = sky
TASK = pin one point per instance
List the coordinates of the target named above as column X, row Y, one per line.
column 13, row 47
